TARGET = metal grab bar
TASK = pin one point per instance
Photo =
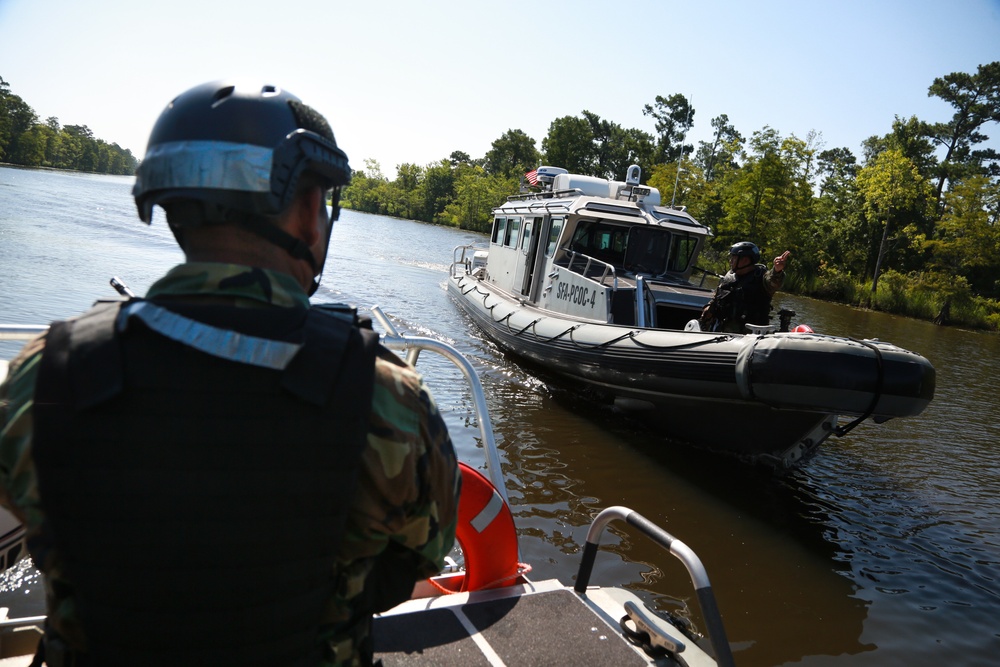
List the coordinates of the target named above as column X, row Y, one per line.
column 10, row 623
column 608, row 268
column 699, row 577
column 413, row 345
column 21, row 331
column 459, row 259
column 640, row 302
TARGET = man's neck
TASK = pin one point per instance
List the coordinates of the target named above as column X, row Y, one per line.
column 233, row 245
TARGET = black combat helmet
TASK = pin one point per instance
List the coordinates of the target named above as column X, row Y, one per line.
column 745, row 249
column 227, row 152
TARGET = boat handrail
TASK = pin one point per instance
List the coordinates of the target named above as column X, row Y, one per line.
column 13, row 623
column 642, row 304
column 21, row 331
column 546, row 194
column 535, row 206
column 458, row 259
column 413, row 345
column 705, row 273
column 684, row 553
column 608, row 268
column 670, row 280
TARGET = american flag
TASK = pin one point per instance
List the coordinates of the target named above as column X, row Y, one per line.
column 532, row 177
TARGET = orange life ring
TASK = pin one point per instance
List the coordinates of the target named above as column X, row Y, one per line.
column 486, row 533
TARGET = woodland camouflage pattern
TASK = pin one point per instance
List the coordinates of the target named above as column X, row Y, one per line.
column 409, row 484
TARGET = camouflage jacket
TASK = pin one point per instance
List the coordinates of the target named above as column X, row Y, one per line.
column 409, row 482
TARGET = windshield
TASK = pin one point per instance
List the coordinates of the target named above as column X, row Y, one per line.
column 635, row 248
column 647, row 250
column 601, row 240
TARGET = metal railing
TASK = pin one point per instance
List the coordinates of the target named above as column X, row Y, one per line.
column 684, row 553
column 460, row 261
column 413, row 345
column 590, row 261
column 21, row 331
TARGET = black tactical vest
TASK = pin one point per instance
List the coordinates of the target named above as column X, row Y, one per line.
column 743, row 300
column 198, row 502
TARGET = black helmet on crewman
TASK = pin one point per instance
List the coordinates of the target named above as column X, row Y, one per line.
column 745, row 249
column 223, row 151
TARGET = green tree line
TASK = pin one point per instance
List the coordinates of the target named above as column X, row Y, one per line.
column 27, row 142
column 911, row 226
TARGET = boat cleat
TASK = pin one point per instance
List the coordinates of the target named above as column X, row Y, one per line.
column 651, row 629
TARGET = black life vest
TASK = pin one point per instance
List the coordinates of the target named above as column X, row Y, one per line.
column 742, row 300
column 197, row 502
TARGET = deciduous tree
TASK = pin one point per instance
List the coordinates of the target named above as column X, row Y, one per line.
column 514, row 153
column 570, row 145
column 891, row 188
column 976, row 99
column 674, row 116
column 615, row 148
column 719, row 150
column 438, row 188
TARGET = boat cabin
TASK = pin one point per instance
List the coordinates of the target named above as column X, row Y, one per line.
column 600, row 250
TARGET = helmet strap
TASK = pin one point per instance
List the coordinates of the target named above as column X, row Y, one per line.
column 268, row 231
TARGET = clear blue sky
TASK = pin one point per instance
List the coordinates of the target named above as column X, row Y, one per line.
column 414, row 80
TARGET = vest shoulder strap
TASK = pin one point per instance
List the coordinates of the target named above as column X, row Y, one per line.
column 82, row 363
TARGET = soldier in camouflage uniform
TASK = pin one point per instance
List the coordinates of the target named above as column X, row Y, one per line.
column 220, row 473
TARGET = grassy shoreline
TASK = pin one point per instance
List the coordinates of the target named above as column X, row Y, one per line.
column 920, row 296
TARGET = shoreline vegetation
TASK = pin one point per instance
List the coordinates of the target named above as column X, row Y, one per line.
column 27, row 142
column 912, row 227
column 68, row 170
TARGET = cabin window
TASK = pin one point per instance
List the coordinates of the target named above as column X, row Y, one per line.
column 498, row 229
column 681, row 251
column 526, row 234
column 554, row 230
column 601, row 240
column 513, row 228
column 647, row 250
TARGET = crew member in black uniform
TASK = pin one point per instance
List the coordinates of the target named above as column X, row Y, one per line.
column 744, row 294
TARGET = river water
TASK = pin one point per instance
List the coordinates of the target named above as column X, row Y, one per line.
column 883, row 549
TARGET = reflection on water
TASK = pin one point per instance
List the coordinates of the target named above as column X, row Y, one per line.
column 767, row 558
column 883, row 549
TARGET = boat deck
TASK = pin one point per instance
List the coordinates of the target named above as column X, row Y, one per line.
column 543, row 624
column 531, row 624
